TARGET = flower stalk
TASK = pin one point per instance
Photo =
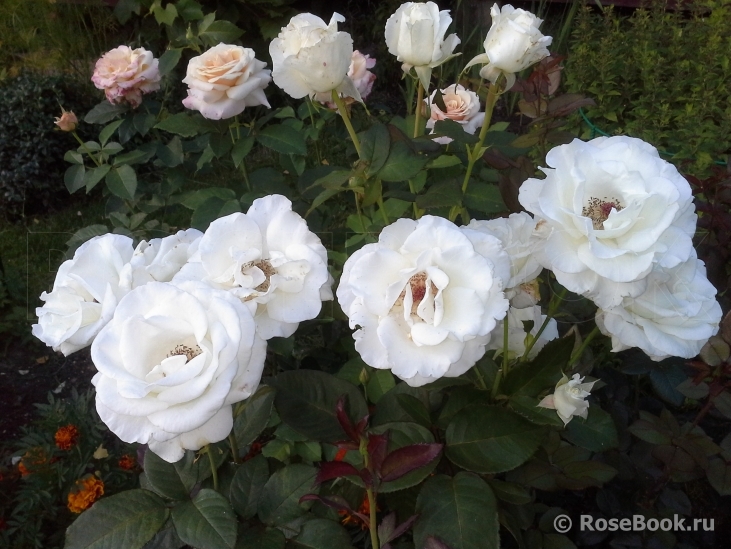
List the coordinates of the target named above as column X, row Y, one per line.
column 346, row 118
column 419, row 106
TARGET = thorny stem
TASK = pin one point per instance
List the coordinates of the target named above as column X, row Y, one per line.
column 419, row 104
column 344, row 114
column 86, row 149
column 492, row 95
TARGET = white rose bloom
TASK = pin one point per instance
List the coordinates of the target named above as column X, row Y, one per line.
column 415, row 35
column 426, row 297
column 270, row 260
column 463, row 106
column 312, row 58
column 521, row 239
column 615, row 210
column 225, row 80
column 160, row 259
column 569, row 398
column 85, row 293
column 512, row 44
column 675, row 316
column 517, row 337
column 170, row 364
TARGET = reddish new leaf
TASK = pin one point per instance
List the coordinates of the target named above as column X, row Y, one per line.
column 335, row 502
column 377, row 445
column 334, row 469
column 402, row 528
column 404, row 460
column 344, row 420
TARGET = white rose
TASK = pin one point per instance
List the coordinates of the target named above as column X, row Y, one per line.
column 512, row 44
column 522, row 238
column 675, row 316
column 170, row 364
column 615, row 210
column 568, row 398
column 224, row 81
column 517, row 337
column 85, row 294
column 463, row 106
column 269, row 259
column 160, row 259
column 415, row 35
column 312, row 58
column 426, row 297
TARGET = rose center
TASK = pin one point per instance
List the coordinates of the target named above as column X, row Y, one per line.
column 598, row 210
column 418, row 284
column 265, row 267
column 188, row 352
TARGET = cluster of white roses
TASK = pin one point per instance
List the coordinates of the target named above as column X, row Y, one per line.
column 178, row 325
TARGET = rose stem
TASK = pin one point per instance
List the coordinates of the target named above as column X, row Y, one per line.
column 496, row 384
column 418, row 212
column 308, row 102
column 419, row 101
column 552, row 308
column 577, row 354
column 214, row 471
column 86, row 150
column 344, row 114
column 371, row 495
column 492, row 95
column 234, row 447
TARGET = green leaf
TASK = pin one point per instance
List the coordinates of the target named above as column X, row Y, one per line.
column 402, row 163
column 528, row 408
column 143, row 121
column 510, row 492
column 484, row 197
column 460, row 511
column 490, row 439
column 665, row 376
column 182, row 124
column 247, row 486
column 283, row 139
column 220, row 31
column 74, row 177
column 206, row 522
column 443, row 161
column 415, row 409
column 122, row 181
column 241, row 149
column 193, row 199
column 379, row 384
column 92, row 177
column 543, row 372
column 73, row 157
column 306, row 401
column 189, row 10
column 108, row 131
column 450, row 128
column 596, row 433
column 444, row 194
column 322, row 534
column 595, row 473
column 171, row 155
column 164, row 16
column 82, row 235
column 375, row 143
column 279, row 501
column 165, row 477
column 128, row 519
column 271, row 538
column 169, row 60
column 212, row 209
column 104, row 112
column 253, row 418
column 333, row 180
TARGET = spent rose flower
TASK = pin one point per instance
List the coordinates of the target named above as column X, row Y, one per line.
column 569, row 398
column 125, row 74
column 225, row 80
column 425, row 297
column 675, row 316
column 270, row 260
column 85, row 293
column 463, row 106
column 518, row 339
column 67, row 122
column 312, row 58
column 415, row 35
column 171, row 363
column 360, row 75
column 512, row 44
column 615, row 210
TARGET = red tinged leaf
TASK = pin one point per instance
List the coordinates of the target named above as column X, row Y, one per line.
column 404, row 460
column 404, row 527
column 377, row 445
column 335, row 502
column 335, row 469
column 354, row 432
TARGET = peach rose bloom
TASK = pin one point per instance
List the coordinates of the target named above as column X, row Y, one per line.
column 224, row 81
column 463, row 106
column 125, row 74
column 67, row 122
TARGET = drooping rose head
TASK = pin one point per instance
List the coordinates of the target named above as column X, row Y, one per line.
column 415, row 35
column 224, row 81
column 425, row 298
column 569, row 398
column 614, row 210
column 312, row 58
column 170, row 364
column 125, row 74
column 512, row 44
column 67, row 122
column 462, row 106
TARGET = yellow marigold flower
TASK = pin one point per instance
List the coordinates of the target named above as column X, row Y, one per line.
column 86, row 491
column 67, row 437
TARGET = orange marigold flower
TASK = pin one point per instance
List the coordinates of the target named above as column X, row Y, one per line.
column 340, row 456
column 127, row 462
column 24, row 472
column 364, row 509
column 67, row 437
column 31, row 461
column 85, row 492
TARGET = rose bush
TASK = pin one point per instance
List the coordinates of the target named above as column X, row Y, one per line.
column 512, row 44
column 615, row 210
column 170, row 364
column 463, row 106
column 225, row 80
column 426, row 297
column 126, row 74
column 310, row 58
